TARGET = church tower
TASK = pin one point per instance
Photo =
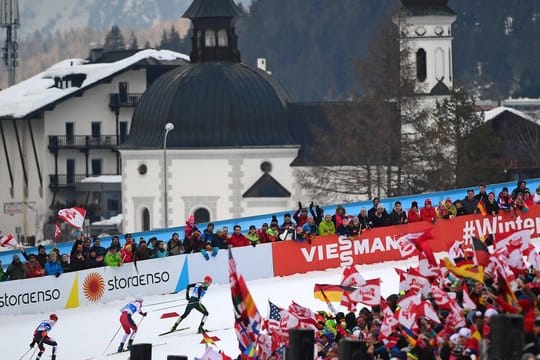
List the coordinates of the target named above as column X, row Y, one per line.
column 425, row 28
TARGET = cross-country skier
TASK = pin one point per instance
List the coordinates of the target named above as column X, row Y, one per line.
column 41, row 336
column 130, row 329
column 194, row 294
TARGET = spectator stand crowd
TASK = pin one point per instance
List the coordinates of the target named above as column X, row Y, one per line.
column 300, row 225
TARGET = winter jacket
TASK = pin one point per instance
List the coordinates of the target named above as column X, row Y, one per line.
column 112, row 259
column 253, row 238
column 175, row 247
column 238, row 240
column 397, row 218
column 264, row 237
column 159, row 253
column 300, row 217
column 429, row 215
column 16, row 271
column 33, row 270
column 327, row 228
column 469, row 206
column 413, row 216
column 310, row 228
column 53, row 268
column 492, row 208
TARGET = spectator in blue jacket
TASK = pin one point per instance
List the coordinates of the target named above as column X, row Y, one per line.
column 53, row 267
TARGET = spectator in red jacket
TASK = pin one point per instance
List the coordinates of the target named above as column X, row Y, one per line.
column 33, row 267
column 413, row 215
column 428, row 213
column 237, row 238
column 300, row 215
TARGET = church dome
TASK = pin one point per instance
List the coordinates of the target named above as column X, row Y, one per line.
column 212, row 104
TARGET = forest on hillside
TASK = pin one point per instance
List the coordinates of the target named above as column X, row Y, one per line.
column 313, row 46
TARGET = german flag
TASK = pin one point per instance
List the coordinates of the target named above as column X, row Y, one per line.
column 465, row 270
column 481, row 252
column 482, row 208
column 328, row 293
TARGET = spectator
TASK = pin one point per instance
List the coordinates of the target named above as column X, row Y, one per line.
column 3, row 275
column 373, row 210
column 414, row 214
column 252, row 235
column 398, row 216
column 160, row 251
column 174, row 246
column 115, row 243
column 300, row 235
column 459, row 208
column 469, row 203
column 220, row 240
column 41, row 256
column 536, row 197
column 520, row 189
column 482, row 194
column 273, row 232
column 528, row 199
column 127, row 253
column 53, row 267
column 100, row 250
column 491, row 205
column 427, row 212
column 300, row 215
column 263, row 234
column 363, row 218
column 318, row 214
column 519, row 203
column 143, row 252
column 16, row 270
column 33, row 268
column 287, row 222
column 226, row 233
column 92, row 260
column 356, row 227
column 112, row 258
column 193, row 243
column 153, row 244
column 339, row 215
column 288, row 233
column 381, row 217
column 505, row 200
column 190, row 227
column 238, row 239
column 310, row 228
column 344, row 229
column 64, row 262
column 208, row 233
column 447, row 210
column 86, row 247
column 327, row 226
column 77, row 259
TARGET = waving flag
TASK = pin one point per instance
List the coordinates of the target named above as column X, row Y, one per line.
column 305, row 316
column 247, row 318
column 521, row 238
column 351, row 277
column 8, row 241
column 481, row 252
column 408, row 309
column 73, row 216
column 369, row 293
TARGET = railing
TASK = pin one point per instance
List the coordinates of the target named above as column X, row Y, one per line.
column 124, row 100
column 82, row 141
column 67, row 180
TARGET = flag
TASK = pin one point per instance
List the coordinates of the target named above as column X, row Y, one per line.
column 57, row 231
column 521, row 237
column 468, row 303
column 327, row 293
column 421, row 241
column 470, row 271
column 211, row 354
column 73, row 216
column 351, row 277
column 456, row 252
column 534, row 258
column 209, row 340
column 481, row 252
column 278, row 324
column 425, row 268
column 407, row 315
column 406, row 246
column 305, row 316
column 482, row 208
column 389, row 321
column 247, row 318
column 369, row 293
column 8, row 241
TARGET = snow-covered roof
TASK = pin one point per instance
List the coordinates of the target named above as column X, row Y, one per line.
column 109, row 179
column 115, row 220
column 493, row 113
column 37, row 92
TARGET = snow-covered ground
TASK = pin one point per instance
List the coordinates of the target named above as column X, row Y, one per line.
column 84, row 332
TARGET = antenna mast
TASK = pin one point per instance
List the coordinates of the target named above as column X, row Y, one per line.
column 9, row 19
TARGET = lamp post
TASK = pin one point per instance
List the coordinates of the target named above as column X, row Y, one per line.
column 168, row 127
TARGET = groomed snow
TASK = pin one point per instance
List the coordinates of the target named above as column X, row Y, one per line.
column 84, row 332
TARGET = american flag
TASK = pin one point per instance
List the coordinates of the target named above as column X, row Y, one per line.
column 274, row 317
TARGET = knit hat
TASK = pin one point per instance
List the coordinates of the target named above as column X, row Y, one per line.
column 427, row 201
column 490, row 312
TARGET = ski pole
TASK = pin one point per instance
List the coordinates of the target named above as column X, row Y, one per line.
column 27, row 351
column 37, row 347
column 163, row 302
column 110, row 342
column 173, row 306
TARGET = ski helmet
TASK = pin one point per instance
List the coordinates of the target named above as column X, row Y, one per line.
column 208, row 279
column 53, row 317
column 139, row 298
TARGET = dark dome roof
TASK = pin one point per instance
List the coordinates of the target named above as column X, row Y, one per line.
column 213, row 104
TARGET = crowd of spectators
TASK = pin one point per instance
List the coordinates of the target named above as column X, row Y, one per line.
column 301, row 226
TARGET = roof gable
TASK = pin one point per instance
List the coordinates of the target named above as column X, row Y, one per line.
column 266, row 187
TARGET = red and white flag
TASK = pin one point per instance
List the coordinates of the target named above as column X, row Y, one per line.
column 368, row 293
column 521, row 238
column 305, row 316
column 351, row 277
column 73, row 216
column 408, row 310
column 8, row 241
column 389, row 320
column 407, row 247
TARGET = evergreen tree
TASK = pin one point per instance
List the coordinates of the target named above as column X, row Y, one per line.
column 114, row 40
column 133, row 42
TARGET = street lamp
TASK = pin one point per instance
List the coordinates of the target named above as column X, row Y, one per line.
column 168, row 127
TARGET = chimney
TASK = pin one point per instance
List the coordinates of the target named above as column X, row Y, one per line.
column 96, row 54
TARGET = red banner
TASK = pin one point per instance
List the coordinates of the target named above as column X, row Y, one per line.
column 380, row 244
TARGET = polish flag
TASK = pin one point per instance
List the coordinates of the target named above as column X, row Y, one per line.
column 73, row 216
column 8, row 241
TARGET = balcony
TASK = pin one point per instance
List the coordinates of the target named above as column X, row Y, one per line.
column 128, row 100
column 82, row 142
column 67, row 181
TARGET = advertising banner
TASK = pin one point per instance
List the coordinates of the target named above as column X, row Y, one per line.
column 380, row 244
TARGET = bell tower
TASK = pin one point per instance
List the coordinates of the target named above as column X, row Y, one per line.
column 214, row 37
column 425, row 28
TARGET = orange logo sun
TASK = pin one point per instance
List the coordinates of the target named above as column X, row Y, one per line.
column 93, row 286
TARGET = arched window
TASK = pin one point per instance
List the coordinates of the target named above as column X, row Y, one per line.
column 201, row 215
column 421, row 65
column 145, row 219
column 222, row 39
column 210, row 38
column 439, row 64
